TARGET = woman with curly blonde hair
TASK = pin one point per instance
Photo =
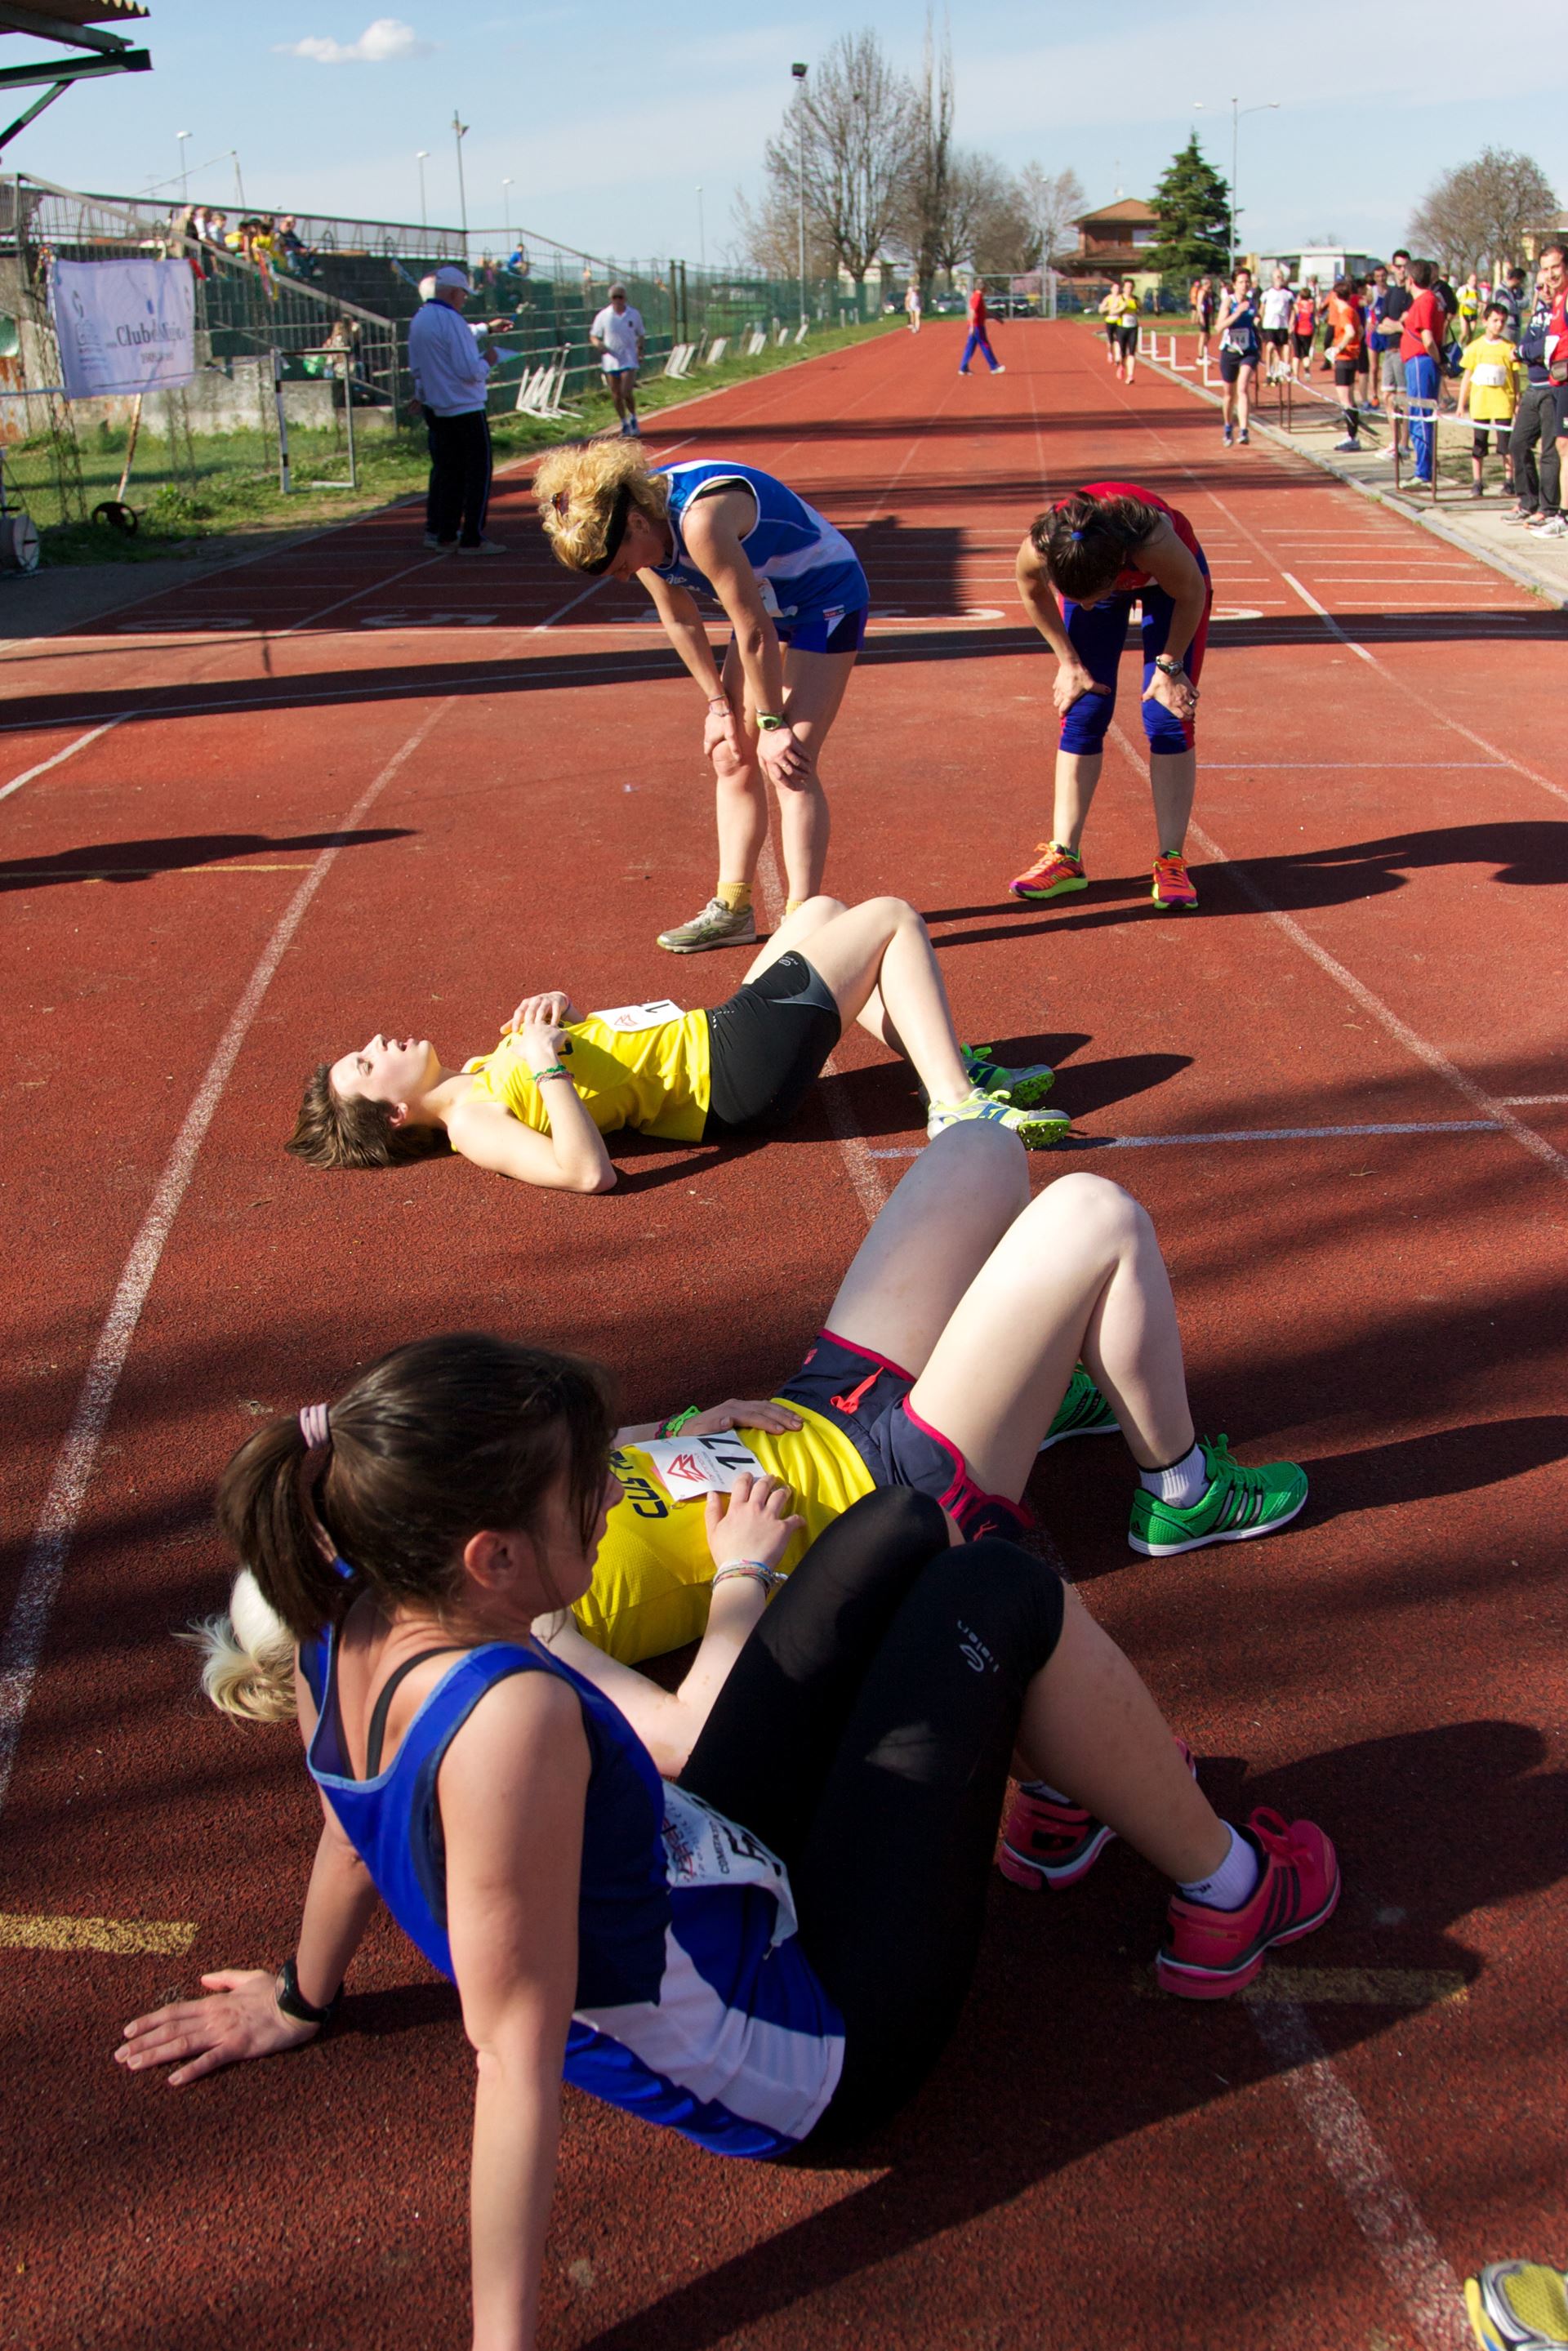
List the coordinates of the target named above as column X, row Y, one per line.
column 795, row 598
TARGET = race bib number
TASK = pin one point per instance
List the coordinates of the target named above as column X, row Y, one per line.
column 690, row 1466
column 703, row 1848
column 627, row 1019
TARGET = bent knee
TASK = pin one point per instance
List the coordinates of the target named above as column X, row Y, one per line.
column 732, row 767
column 1097, row 1209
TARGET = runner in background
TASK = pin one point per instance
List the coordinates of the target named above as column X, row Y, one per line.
column 979, row 334
column 1278, row 304
column 1125, row 322
column 1111, row 311
column 1240, row 347
column 1489, row 394
column 912, row 307
column 1303, row 330
column 1100, row 551
column 1469, row 303
column 617, row 333
column 1200, row 294
column 1347, row 342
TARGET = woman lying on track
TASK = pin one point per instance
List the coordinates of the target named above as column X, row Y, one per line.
column 539, row 1106
column 796, row 599
column 772, row 1948
column 1086, row 561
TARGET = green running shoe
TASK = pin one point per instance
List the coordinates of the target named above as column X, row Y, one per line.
column 1235, row 1505
column 1083, row 1412
column 1023, row 1088
column 1037, row 1129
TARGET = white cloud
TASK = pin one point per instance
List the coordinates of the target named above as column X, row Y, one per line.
column 379, row 44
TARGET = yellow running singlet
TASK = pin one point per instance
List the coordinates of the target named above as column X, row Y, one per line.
column 656, row 1081
column 653, row 1575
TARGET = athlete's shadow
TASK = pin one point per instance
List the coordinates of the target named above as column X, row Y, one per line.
column 137, row 860
column 1064, row 2048
column 881, row 1101
column 1443, row 1461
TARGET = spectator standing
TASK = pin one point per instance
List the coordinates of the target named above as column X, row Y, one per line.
column 979, row 335
column 1489, row 394
column 1391, row 366
column 1347, row 340
column 912, row 307
column 451, row 381
column 1421, row 334
column 1510, row 294
column 1538, row 480
column 617, row 335
column 1468, row 307
column 1278, row 304
column 1201, row 296
column 1303, row 328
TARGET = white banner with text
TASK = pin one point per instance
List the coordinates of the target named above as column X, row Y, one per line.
column 123, row 326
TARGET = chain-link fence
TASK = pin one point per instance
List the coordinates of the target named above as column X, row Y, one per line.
column 290, row 377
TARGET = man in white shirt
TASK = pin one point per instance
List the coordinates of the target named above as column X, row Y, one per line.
column 451, row 380
column 1278, row 300
column 617, row 334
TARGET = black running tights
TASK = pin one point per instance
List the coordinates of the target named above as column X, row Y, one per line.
column 866, row 1735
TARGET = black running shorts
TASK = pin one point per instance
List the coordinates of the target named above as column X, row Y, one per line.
column 767, row 1043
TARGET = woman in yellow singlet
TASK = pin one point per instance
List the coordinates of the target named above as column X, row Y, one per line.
column 539, row 1106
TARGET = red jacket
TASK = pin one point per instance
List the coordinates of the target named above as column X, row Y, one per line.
column 978, row 308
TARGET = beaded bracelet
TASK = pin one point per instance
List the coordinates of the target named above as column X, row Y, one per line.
column 677, row 1420
column 769, row 1578
column 557, row 1072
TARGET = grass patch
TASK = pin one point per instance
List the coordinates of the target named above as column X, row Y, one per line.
column 222, row 487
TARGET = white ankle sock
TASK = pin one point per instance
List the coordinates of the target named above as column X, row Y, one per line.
column 1229, row 1885
column 1043, row 1788
column 1182, row 1483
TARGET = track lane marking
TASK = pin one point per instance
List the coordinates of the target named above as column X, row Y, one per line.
column 1278, row 1986
column 22, row 1645
column 93, row 735
column 121, row 1936
column 1257, row 1134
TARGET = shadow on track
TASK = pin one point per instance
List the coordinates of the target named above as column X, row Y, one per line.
column 137, row 860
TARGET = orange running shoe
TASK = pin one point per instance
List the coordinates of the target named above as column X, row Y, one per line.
column 1173, row 883
column 1054, row 872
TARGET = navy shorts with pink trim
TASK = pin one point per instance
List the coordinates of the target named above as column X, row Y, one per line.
column 867, row 1396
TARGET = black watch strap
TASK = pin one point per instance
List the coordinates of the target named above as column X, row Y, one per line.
column 293, row 2002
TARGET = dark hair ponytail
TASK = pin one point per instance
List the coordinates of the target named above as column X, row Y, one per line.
column 1085, row 542
column 439, row 1439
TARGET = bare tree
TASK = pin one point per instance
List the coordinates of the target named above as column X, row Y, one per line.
column 768, row 234
column 1006, row 239
column 858, row 127
column 922, row 216
column 1479, row 212
column 1053, row 200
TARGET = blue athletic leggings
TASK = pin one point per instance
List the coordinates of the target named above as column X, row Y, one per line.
column 978, row 342
column 1097, row 633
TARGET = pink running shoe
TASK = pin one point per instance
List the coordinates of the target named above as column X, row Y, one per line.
column 1055, row 872
column 1048, row 1843
column 1207, row 1953
column 1172, row 883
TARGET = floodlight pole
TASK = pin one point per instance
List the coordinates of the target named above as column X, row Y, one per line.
column 1268, row 106
column 798, row 71
column 421, row 158
column 459, row 132
column 183, row 136
column 507, row 208
column 702, row 237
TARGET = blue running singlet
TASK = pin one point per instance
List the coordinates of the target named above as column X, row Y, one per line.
column 696, row 2006
column 805, row 569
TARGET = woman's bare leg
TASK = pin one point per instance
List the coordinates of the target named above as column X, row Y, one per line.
column 937, row 1230
column 879, row 962
column 1079, row 1275
column 814, row 685
column 1077, row 774
column 1091, row 1729
column 740, row 796
column 1173, row 779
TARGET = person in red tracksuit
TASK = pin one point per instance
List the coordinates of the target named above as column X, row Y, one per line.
column 979, row 337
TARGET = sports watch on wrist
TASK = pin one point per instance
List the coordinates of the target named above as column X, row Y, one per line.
column 769, row 721
column 1171, row 666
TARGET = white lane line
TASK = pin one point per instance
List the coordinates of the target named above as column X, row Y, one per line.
column 22, row 1645
column 1409, row 2255
column 69, row 752
column 1327, row 617
column 1524, row 1102
column 1349, row 766
column 1254, row 1135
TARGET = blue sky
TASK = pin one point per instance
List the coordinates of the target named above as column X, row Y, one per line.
column 607, row 116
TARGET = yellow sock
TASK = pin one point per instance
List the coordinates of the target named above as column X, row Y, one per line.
column 793, row 905
column 735, row 895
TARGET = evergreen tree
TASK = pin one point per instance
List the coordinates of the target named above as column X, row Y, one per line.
column 1192, row 201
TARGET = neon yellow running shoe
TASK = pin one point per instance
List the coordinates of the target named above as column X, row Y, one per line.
column 1037, row 1129
column 1021, row 1087
column 1519, row 2307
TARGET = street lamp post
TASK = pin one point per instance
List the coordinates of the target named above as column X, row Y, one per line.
column 422, row 159
column 459, row 132
column 798, row 71
column 1268, row 106
column 702, row 239
column 184, row 166
column 507, row 209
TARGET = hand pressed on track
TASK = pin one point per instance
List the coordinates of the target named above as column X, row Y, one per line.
column 758, row 1524
column 240, row 2017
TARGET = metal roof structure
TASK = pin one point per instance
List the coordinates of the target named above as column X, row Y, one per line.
column 74, row 26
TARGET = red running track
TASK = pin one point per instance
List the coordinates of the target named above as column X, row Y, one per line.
column 348, row 786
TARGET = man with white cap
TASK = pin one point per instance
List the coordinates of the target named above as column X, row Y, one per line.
column 451, row 380
column 617, row 333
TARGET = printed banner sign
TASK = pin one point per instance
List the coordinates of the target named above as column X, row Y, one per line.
column 123, row 326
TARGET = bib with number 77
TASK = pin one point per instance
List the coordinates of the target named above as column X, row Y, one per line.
column 687, row 1467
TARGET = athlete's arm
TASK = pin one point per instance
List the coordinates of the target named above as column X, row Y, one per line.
column 736, row 1412
column 511, row 1789
column 684, row 625
column 1072, row 680
column 240, row 2017
column 553, row 1004
column 757, row 1525
column 1172, row 564
column 713, row 528
column 571, row 1158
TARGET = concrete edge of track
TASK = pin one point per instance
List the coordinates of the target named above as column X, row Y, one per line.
column 309, row 531
column 1522, row 577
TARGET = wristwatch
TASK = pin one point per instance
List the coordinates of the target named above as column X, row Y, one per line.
column 293, row 2002
column 769, row 721
column 1171, row 666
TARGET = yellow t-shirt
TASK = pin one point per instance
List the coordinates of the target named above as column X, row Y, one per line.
column 653, row 1572
column 1111, row 308
column 656, row 1081
column 1493, row 368
column 1129, row 310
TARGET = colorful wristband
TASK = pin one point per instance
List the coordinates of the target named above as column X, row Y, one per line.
column 554, row 1072
column 677, row 1420
column 769, row 1578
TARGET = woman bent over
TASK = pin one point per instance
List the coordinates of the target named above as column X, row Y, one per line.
column 795, row 598
column 1086, row 561
column 774, row 1947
